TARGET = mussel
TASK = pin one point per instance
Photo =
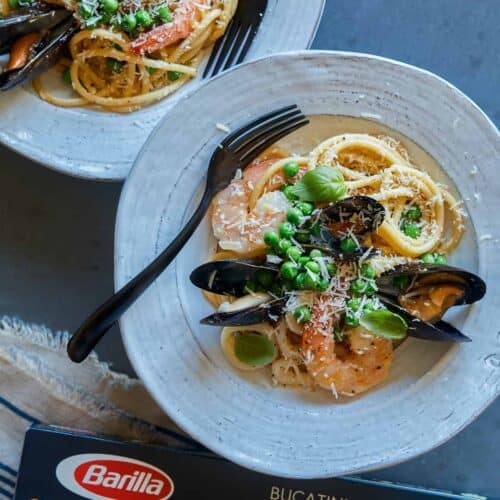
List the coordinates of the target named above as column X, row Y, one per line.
column 356, row 215
column 420, row 293
column 429, row 290
column 36, row 37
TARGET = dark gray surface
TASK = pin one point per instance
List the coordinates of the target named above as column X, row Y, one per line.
column 56, row 233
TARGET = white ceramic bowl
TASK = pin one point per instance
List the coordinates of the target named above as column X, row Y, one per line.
column 102, row 146
column 434, row 389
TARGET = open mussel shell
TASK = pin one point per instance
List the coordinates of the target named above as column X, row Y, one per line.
column 420, row 275
column 356, row 215
column 360, row 214
column 29, row 20
column 266, row 311
column 47, row 52
column 441, row 331
column 229, row 276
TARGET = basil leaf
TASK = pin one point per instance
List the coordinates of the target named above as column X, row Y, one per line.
column 323, row 183
column 384, row 323
column 254, row 349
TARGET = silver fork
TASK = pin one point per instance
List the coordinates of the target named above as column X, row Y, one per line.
column 235, row 152
column 231, row 49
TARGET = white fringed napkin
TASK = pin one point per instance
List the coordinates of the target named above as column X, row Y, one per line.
column 38, row 383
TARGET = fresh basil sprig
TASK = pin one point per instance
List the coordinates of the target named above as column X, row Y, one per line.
column 254, row 349
column 323, row 183
column 384, row 323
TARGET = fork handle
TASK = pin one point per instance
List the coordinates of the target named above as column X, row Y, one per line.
column 102, row 319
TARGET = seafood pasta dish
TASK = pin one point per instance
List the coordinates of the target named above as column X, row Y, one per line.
column 119, row 55
column 326, row 262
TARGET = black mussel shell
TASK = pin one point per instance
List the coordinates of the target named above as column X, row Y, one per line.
column 45, row 57
column 229, row 276
column 29, row 20
column 420, row 274
column 271, row 310
column 365, row 213
column 439, row 331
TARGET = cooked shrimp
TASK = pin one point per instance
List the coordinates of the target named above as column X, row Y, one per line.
column 236, row 226
column 350, row 367
column 185, row 15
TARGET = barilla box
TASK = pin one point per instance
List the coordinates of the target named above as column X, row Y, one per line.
column 62, row 464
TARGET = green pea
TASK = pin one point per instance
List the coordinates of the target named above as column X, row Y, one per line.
column 315, row 253
column 291, row 168
column 143, row 18
column 311, row 281
column 265, row 277
column 313, row 266
column 250, row 287
column 351, row 320
column 86, row 10
column 284, row 245
column 401, row 282
column 359, row 286
column 299, row 281
column 13, row 4
column 287, row 190
column 109, row 6
column 294, row 215
column 369, row 306
column 413, row 212
column 289, row 270
column 315, row 229
column 348, row 245
column 164, row 14
column 323, row 285
column 371, row 288
column 428, row 258
column 305, row 207
column 174, row 75
column 411, row 229
column 303, row 237
column 302, row 314
column 303, row 261
column 66, row 76
column 331, row 268
column 441, row 259
column 367, row 271
column 294, row 253
column 270, row 251
column 151, row 70
column 113, row 64
column 354, row 304
column 129, row 22
column 286, row 230
column 271, row 239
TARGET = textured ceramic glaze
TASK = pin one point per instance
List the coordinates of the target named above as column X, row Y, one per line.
column 103, row 146
column 434, row 389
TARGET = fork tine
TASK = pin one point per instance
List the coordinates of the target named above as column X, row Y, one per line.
column 214, row 54
column 246, row 45
column 279, row 134
column 259, row 121
column 229, row 37
column 264, row 129
column 243, row 34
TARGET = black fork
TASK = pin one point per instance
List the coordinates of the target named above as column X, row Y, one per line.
column 231, row 49
column 235, row 152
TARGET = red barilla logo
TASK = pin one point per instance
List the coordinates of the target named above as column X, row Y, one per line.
column 112, row 477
